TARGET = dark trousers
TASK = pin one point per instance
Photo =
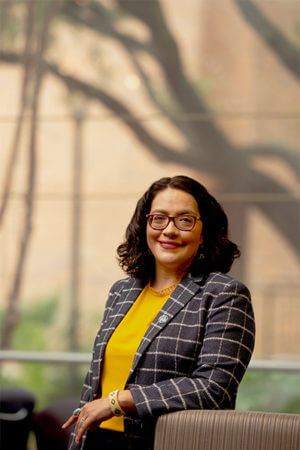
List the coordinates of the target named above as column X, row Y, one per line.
column 101, row 439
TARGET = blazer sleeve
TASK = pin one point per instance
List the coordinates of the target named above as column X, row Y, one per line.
column 113, row 296
column 87, row 393
column 219, row 366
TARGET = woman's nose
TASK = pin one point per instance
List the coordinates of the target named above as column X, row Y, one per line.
column 170, row 229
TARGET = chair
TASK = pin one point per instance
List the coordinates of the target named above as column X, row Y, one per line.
column 16, row 409
column 47, row 424
column 227, row 430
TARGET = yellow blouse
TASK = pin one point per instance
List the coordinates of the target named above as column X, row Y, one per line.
column 124, row 342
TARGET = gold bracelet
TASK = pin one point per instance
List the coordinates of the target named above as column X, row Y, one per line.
column 114, row 404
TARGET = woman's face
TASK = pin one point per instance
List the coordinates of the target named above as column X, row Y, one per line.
column 173, row 249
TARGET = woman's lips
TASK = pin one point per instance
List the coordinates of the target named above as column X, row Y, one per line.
column 169, row 245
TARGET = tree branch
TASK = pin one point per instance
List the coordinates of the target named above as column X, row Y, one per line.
column 285, row 154
column 240, row 179
column 160, row 150
column 100, row 19
column 285, row 51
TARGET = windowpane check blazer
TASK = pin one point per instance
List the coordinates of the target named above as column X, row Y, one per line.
column 193, row 355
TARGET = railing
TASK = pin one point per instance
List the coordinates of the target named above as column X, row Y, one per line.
column 85, row 358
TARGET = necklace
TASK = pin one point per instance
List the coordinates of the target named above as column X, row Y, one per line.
column 165, row 291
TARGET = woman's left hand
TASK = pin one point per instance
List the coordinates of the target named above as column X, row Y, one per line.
column 90, row 417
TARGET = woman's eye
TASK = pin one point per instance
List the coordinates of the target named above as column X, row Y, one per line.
column 159, row 218
column 185, row 219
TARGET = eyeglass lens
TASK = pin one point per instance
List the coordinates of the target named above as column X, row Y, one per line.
column 183, row 222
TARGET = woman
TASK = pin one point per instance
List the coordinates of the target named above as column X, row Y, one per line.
column 178, row 333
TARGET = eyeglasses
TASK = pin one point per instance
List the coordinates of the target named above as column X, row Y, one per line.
column 183, row 222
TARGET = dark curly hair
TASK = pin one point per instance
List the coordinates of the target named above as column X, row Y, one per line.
column 217, row 251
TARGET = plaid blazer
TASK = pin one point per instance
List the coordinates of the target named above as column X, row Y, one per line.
column 193, row 355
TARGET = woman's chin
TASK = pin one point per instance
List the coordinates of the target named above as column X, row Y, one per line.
column 173, row 264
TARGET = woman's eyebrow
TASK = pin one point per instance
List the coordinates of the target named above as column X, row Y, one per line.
column 161, row 211
column 188, row 211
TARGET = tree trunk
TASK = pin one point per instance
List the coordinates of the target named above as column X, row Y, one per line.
column 12, row 312
column 76, row 234
column 22, row 107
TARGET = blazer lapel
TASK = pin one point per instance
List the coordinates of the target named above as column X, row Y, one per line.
column 129, row 294
column 182, row 294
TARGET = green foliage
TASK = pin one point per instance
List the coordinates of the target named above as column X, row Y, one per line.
column 269, row 391
column 203, row 86
column 13, row 23
column 47, row 381
column 43, row 310
column 297, row 28
column 30, row 331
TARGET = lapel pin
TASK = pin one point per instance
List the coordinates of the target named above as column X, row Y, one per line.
column 163, row 318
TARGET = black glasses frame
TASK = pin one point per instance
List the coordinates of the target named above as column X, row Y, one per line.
column 172, row 218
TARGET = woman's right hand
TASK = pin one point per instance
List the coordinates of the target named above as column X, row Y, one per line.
column 90, row 417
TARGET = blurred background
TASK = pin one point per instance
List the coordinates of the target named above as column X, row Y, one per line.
column 98, row 99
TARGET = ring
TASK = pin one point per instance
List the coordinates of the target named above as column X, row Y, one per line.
column 82, row 419
column 76, row 412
